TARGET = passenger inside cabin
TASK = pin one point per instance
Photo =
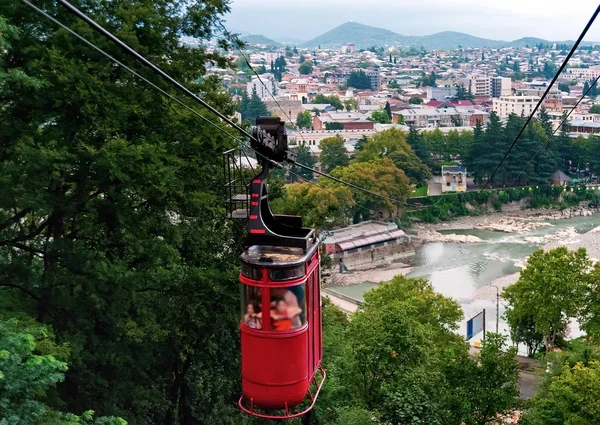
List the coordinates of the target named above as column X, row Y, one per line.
column 253, row 318
column 291, row 300
column 283, row 314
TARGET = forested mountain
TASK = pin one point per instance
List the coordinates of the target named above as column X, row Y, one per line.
column 364, row 36
column 259, row 39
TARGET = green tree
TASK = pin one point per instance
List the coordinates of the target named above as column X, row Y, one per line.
column 304, row 157
column 388, row 110
column 306, row 68
column 392, row 144
column 333, row 153
column 304, row 120
column 380, row 117
column 414, row 100
column 359, row 80
column 29, row 371
column 487, row 149
column 332, row 100
column 380, row 176
column 551, row 289
column 436, row 142
column 485, row 387
column 253, row 107
column 112, row 231
column 595, row 109
column 569, row 398
column 320, row 208
column 417, row 143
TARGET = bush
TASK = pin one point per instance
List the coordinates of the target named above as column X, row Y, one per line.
column 498, row 204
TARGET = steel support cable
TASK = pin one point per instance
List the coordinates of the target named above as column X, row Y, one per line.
column 133, row 72
column 177, row 85
column 555, row 131
column 562, row 66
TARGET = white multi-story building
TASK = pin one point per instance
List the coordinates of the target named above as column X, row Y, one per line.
column 500, row 86
column 582, row 73
column 479, row 85
column 264, row 91
column 519, row 105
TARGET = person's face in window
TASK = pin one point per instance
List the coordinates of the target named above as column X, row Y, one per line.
column 281, row 306
column 250, row 309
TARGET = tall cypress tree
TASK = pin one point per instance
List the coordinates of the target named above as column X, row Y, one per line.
column 417, row 143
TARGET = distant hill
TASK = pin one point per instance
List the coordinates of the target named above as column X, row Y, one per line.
column 365, row 36
column 259, row 39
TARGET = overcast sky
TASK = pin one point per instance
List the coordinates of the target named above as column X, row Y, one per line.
column 494, row 19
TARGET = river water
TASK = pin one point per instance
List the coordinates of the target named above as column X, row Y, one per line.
column 465, row 271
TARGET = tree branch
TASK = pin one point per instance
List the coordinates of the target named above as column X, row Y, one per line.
column 22, row 289
column 14, row 218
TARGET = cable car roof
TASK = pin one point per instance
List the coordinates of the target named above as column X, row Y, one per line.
column 277, row 256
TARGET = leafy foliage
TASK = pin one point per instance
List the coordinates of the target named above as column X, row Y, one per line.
column 393, row 144
column 399, row 358
column 359, row 80
column 550, row 290
column 380, row 117
column 28, row 374
column 332, row 100
column 304, row 120
column 333, row 153
column 569, row 398
column 306, row 68
column 111, row 227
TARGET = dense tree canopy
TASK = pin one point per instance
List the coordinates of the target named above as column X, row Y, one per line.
column 306, row 68
column 489, row 146
column 381, row 116
column 332, row 100
column 111, row 227
column 392, row 144
column 304, row 120
column 551, row 290
column 30, row 367
column 359, row 80
column 333, row 153
column 380, row 176
column 399, row 357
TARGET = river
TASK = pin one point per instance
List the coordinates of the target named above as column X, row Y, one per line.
column 465, row 271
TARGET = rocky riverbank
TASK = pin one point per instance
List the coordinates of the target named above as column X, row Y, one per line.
column 516, row 222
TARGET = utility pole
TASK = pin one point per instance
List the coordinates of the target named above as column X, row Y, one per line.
column 497, row 308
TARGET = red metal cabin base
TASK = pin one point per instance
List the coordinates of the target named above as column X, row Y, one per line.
column 287, row 414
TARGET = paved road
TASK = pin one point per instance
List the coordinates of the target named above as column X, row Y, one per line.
column 344, row 305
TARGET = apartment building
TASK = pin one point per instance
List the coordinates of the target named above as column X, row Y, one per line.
column 582, row 73
column 479, row 85
column 500, row 86
column 375, row 77
column 519, row 105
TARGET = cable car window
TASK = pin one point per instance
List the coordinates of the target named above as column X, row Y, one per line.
column 287, row 274
column 288, row 307
column 251, row 272
column 251, row 310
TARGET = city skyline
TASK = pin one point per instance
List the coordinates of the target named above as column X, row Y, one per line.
column 509, row 20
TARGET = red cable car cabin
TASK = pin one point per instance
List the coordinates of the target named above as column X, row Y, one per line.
column 281, row 299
